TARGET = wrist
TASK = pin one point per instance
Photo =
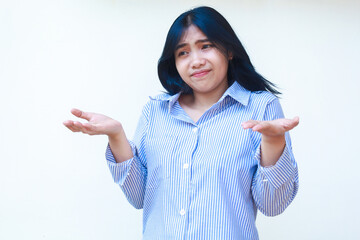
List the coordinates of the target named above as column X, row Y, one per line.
column 271, row 149
column 117, row 135
column 280, row 139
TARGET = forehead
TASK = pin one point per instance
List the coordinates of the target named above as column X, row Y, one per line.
column 191, row 34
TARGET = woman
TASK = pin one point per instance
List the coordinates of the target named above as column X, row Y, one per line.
column 211, row 151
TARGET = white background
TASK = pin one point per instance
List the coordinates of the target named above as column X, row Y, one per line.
column 101, row 56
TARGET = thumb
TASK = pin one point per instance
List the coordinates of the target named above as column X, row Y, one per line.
column 295, row 121
column 291, row 123
column 80, row 114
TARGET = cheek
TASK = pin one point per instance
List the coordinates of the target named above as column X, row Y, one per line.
column 223, row 68
column 226, row 66
column 220, row 61
column 180, row 67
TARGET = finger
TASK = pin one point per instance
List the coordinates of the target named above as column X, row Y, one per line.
column 86, row 128
column 292, row 123
column 80, row 114
column 296, row 120
column 261, row 126
column 67, row 123
column 74, row 129
column 70, row 125
column 90, row 129
column 249, row 124
column 80, row 127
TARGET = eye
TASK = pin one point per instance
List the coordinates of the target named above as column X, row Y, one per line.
column 206, row 46
column 182, row 53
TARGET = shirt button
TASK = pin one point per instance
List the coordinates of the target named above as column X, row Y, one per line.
column 195, row 129
column 182, row 212
column 186, row 166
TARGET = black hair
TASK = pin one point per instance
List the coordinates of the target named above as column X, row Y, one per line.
column 219, row 32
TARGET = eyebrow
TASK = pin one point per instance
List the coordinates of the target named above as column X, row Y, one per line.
column 198, row 41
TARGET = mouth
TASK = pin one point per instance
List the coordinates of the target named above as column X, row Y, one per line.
column 199, row 74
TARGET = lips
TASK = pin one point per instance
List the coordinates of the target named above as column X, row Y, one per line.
column 200, row 73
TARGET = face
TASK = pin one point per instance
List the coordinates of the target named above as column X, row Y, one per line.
column 200, row 64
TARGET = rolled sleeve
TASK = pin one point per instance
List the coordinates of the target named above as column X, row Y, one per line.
column 283, row 171
column 276, row 186
column 130, row 175
column 119, row 171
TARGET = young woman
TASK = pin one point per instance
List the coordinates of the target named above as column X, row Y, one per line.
column 213, row 150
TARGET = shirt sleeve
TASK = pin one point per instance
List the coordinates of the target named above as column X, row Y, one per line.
column 275, row 187
column 131, row 174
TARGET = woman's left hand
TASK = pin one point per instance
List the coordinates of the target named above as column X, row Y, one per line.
column 274, row 128
column 273, row 137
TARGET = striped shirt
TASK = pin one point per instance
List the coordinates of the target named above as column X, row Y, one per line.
column 204, row 180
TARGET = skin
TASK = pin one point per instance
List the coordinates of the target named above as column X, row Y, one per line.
column 272, row 137
column 99, row 124
column 204, row 68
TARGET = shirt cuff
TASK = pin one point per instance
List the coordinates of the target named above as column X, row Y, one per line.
column 283, row 171
column 119, row 171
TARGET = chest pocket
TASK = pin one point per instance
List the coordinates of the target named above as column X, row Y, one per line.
column 160, row 157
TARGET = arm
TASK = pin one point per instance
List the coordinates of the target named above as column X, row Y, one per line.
column 131, row 174
column 122, row 158
column 275, row 182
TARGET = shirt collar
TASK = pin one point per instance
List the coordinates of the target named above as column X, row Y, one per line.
column 167, row 97
column 238, row 93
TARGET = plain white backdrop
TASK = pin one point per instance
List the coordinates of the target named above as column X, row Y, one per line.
column 101, row 56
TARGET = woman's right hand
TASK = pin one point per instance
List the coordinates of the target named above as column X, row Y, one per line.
column 97, row 124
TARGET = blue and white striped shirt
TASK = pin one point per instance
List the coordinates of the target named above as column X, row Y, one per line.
column 204, row 180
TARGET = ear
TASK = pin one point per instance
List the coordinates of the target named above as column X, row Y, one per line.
column 230, row 56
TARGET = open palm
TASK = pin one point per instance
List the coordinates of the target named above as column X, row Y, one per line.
column 97, row 124
column 272, row 128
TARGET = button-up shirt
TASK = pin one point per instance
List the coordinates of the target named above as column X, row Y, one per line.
column 203, row 180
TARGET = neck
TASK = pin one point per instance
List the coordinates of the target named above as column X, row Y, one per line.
column 203, row 101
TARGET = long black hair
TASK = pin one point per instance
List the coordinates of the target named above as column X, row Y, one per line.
column 219, row 32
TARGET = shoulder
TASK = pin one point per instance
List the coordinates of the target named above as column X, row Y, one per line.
column 160, row 97
column 260, row 102
column 156, row 103
column 261, row 98
column 250, row 98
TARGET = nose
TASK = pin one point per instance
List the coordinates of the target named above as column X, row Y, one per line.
column 197, row 60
